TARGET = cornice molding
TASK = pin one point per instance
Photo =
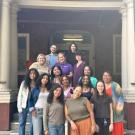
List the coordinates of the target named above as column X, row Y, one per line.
column 71, row 5
column 129, row 96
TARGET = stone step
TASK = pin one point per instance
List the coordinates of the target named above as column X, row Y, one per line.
column 129, row 132
column 15, row 132
column 5, row 132
column 16, row 117
column 15, row 126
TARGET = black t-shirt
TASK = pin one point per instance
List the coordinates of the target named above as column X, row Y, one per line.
column 101, row 106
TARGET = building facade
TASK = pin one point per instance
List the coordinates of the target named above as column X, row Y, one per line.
column 15, row 22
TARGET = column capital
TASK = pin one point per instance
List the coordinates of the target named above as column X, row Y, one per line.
column 6, row 3
column 129, row 3
column 123, row 10
column 14, row 9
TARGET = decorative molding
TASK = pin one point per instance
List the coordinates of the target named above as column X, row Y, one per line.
column 129, row 95
column 72, row 5
column 7, row 95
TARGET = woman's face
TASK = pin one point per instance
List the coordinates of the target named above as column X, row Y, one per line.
column 100, row 87
column 57, row 92
column 41, row 60
column 87, row 71
column 44, row 80
column 56, row 71
column 65, row 81
column 61, row 58
column 77, row 92
column 85, row 80
column 32, row 75
column 73, row 48
column 107, row 77
column 78, row 57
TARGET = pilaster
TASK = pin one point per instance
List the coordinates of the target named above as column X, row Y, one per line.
column 128, row 62
column 13, row 47
column 8, row 96
column 5, row 43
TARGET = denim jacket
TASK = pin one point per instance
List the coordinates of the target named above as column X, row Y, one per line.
column 33, row 98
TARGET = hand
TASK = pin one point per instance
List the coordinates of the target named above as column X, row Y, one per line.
column 97, row 128
column 46, row 132
column 73, row 125
column 93, row 128
column 34, row 113
column 111, row 127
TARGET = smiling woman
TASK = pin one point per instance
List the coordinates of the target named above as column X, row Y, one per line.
column 79, row 113
column 41, row 64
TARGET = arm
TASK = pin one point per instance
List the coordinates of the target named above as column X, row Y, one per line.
column 73, row 125
column 45, row 119
column 31, row 101
column 111, row 118
column 119, row 99
column 19, row 98
column 70, row 74
column 90, row 109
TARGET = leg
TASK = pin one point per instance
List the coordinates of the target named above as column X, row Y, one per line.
column 22, row 121
column 31, row 126
column 52, row 130
column 37, row 122
column 60, row 130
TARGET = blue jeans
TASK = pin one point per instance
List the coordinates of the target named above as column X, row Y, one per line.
column 56, row 129
column 22, row 122
column 37, row 122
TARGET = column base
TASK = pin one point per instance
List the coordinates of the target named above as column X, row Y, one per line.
column 130, row 115
column 6, row 113
column 7, row 107
column 129, row 96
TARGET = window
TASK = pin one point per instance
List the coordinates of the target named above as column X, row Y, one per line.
column 23, row 51
column 116, row 54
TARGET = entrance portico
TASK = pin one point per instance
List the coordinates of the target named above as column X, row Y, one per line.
column 8, row 48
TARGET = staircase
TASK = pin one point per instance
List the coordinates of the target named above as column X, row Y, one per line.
column 15, row 125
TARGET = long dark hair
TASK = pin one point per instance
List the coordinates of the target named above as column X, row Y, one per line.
column 75, row 46
column 89, row 83
column 27, row 79
column 52, row 74
column 96, row 91
column 38, row 83
column 91, row 71
column 51, row 94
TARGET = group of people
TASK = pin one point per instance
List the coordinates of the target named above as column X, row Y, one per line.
column 61, row 87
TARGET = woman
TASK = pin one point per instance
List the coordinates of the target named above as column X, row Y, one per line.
column 41, row 64
column 78, row 68
column 103, row 110
column 88, row 71
column 87, row 88
column 54, row 112
column 23, row 99
column 79, row 113
column 56, row 74
column 114, row 90
column 71, row 54
column 38, row 102
column 66, row 86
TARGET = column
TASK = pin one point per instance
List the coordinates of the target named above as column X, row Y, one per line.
column 14, row 48
column 124, row 48
column 129, row 93
column 5, row 43
column 130, row 45
column 8, row 97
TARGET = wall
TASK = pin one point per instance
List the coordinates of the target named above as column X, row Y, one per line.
column 102, row 24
